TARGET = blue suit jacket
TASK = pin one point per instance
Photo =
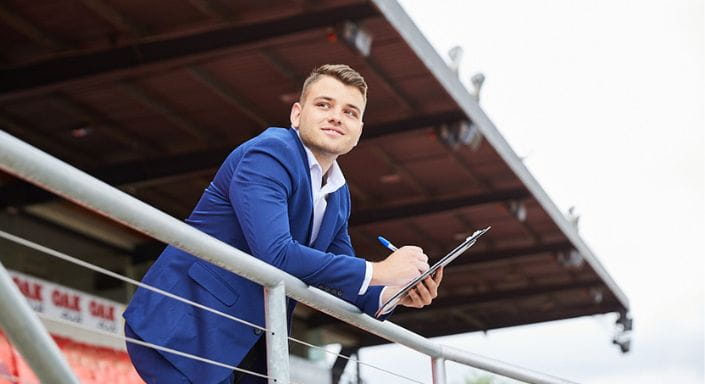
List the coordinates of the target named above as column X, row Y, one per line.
column 259, row 202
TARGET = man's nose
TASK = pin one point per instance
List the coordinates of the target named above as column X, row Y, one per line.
column 335, row 116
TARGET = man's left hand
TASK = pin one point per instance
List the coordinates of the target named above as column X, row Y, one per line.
column 424, row 292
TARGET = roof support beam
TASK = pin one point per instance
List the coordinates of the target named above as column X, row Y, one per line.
column 462, row 302
column 401, row 21
column 49, row 144
column 42, row 76
column 372, row 215
column 442, row 328
column 26, row 28
column 211, row 9
column 115, row 18
column 21, row 193
column 187, row 126
column 495, row 255
column 411, row 123
column 229, row 95
column 104, row 124
column 170, row 167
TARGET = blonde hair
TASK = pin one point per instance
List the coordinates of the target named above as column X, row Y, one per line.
column 340, row 72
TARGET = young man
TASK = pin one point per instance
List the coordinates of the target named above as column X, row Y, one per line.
column 282, row 198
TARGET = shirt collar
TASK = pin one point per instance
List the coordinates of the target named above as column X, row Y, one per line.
column 335, row 178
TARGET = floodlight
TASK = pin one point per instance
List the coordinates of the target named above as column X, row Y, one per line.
column 462, row 132
column 477, row 81
column 518, row 209
column 456, row 56
column 357, row 37
column 570, row 259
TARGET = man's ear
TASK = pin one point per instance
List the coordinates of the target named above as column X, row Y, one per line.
column 295, row 115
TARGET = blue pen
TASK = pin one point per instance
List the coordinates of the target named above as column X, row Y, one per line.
column 387, row 244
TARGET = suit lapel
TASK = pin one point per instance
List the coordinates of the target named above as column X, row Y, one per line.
column 307, row 176
column 327, row 231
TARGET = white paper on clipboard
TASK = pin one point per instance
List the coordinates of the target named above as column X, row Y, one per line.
column 447, row 259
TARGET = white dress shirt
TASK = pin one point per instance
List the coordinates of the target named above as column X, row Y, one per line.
column 334, row 180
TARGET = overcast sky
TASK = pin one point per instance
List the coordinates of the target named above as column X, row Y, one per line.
column 606, row 100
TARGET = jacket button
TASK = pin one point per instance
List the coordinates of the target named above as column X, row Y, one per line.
column 257, row 331
column 340, row 293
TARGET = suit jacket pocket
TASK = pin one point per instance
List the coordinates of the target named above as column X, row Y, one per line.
column 213, row 284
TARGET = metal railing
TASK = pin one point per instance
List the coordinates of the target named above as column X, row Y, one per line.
column 33, row 165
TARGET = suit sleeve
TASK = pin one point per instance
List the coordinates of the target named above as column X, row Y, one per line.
column 259, row 191
column 368, row 302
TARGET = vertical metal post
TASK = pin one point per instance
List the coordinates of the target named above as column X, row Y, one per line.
column 277, row 341
column 357, row 368
column 28, row 335
column 438, row 370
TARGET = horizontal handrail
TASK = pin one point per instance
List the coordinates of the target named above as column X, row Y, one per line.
column 48, row 172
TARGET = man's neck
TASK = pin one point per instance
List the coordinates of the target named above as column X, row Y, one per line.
column 325, row 162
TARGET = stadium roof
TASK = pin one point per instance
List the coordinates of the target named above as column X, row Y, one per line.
column 151, row 96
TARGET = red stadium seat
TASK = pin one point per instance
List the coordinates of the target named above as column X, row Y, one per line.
column 90, row 364
column 24, row 371
column 7, row 361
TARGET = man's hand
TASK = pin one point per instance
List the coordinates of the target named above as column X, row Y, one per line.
column 402, row 266
column 424, row 292
column 421, row 295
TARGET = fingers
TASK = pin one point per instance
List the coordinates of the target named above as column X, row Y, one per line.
column 438, row 276
column 416, row 252
column 422, row 262
column 427, row 290
column 422, row 266
column 416, row 301
column 432, row 286
column 414, row 248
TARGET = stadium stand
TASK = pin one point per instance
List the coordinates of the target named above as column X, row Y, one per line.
column 7, row 361
column 91, row 364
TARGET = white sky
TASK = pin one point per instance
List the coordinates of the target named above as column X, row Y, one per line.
column 606, row 99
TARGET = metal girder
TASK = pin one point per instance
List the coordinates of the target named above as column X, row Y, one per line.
column 373, row 215
column 104, row 124
column 461, row 302
column 340, row 364
column 133, row 172
column 229, row 95
column 187, row 126
column 510, row 253
column 437, row 328
column 21, row 193
column 407, row 104
column 37, row 77
column 211, row 9
column 115, row 18
column 418, row 43
column 28, row 29
column 30, row 133
column 412, row 123
column 72, row 235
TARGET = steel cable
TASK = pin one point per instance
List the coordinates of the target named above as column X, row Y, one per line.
column 93, row 267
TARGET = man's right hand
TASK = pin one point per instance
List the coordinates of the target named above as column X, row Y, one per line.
column 400, row 267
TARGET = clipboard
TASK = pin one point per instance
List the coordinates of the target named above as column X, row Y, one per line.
column 447, row 259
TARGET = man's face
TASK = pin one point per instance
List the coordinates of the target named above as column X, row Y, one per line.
column 329, row 119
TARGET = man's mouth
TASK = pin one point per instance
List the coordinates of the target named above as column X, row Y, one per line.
column 333, row 131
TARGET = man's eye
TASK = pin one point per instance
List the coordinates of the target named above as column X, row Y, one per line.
column 351, row 113
column 322, row 105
